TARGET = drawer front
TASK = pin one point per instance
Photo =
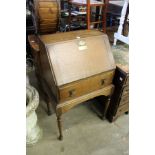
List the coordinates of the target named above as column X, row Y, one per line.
column 48, row 16
column 47, row 10
column 45, row 26
column 124, row 100
column 127, row 80
column 85, row 86
column 48, row 21
column 122, row 109
column 125, row 90
column 48, row 5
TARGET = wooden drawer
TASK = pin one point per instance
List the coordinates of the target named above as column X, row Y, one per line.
column 46, row 31
column 47, row 21
column 127, row 80
column 47, row 5
column 122, row 109
column 124, row 100
column 50, row 25
column 125, row 90
column 85, row 86
column 47, row 10
column 48, row 16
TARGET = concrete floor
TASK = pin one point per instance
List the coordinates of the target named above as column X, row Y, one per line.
column 84, row 133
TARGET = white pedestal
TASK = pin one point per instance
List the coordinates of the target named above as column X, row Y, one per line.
column 33, row 131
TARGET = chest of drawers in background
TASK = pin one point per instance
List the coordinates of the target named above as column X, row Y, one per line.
column 120, row 99
column 46, row 16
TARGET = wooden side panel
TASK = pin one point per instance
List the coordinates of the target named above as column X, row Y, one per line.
column 47, row 74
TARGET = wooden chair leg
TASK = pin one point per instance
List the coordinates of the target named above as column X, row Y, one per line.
column 59, row 121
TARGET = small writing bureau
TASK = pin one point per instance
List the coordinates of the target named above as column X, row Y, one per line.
column 74, row 67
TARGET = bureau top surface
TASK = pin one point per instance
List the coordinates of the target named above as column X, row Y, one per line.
column 59, row 37
column 78, row 55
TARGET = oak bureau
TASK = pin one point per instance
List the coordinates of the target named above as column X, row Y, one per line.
column 73, row 67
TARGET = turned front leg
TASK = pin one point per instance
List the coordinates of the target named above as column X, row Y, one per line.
column 59, row 121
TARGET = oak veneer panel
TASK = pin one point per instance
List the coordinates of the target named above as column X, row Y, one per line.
column 122, row 109
column 82, row 64
column 84, row 86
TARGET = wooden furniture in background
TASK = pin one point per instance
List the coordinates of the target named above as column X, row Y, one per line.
column 74, row 67
column 119, row 103
column 47, row 15
column 119, row 34
column 89, row 4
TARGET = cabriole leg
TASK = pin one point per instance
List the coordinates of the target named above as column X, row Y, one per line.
column 59, row 121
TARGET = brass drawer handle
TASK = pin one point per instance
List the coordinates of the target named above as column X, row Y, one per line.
column 71, row 92
column 102, row 82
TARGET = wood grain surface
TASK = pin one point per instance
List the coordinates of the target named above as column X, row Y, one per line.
column 70, row 63
column 47, row 15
